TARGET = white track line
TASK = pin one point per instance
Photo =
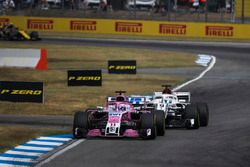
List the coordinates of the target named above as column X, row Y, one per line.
column 211, row 65
column 60, row 152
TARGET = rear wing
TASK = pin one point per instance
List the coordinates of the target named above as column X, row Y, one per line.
column 183, row 97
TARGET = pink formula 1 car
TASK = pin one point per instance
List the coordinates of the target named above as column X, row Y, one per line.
column 118, row 119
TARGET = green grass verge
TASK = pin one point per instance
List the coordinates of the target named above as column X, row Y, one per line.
column 63, row 100
column 74, row 56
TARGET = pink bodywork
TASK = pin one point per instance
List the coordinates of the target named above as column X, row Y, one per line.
column 114, row 119
column 113, row 107
column 127, row 133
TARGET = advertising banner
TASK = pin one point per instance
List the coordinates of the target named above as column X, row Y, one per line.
column 21, row 91
column 130, row 27
column 84, row 78
column 122, row 66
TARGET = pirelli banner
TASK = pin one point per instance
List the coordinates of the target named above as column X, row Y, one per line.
column 21, row 91
column 122, row 67
column 84, row 78
column 131, row 27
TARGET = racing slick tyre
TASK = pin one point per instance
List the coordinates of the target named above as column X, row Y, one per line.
column 80, row 125
column 203, row 113
column 148, row 126
column 12, row 36
column 160, row 122
column 34, row 36
column 191, row 113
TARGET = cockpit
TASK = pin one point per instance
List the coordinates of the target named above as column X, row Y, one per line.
column 118, row 107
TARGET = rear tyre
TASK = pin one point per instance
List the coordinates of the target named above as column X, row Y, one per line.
column 160, row 122
column 12, row 36
column 203, row 113
column 148, row 126
column 191, row 113
column 19, row 36
column 34, row 36
column 80, row 125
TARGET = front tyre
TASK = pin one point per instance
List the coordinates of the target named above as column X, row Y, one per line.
column 160, row 122
column 192, row 116
column 203, row 113
column 148, row 126
column 34, row 36
column 80, row 125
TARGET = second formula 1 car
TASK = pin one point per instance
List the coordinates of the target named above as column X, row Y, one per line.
column 12, row 33
column 177, row 107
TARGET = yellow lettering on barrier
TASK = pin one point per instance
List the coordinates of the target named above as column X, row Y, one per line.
column 72, row 78
column 26, row 92
column 111, row 67
column 88, row 78
column 122, row 67
column 5, row 91
column 37, row 92
column 85, row 78
column 125, row 67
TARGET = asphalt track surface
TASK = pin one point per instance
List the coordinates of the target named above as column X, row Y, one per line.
column 225, row 142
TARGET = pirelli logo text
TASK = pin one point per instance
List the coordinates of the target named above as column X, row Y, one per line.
column 40, row 24
column 4, row 21
column 122, row 66
column 84, row 78
column 173, row 29
column 21, row 91
column 83, row 25
column 128, row 27
column 220, row 31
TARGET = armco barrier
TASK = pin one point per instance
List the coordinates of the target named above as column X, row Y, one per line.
column 129, row 27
